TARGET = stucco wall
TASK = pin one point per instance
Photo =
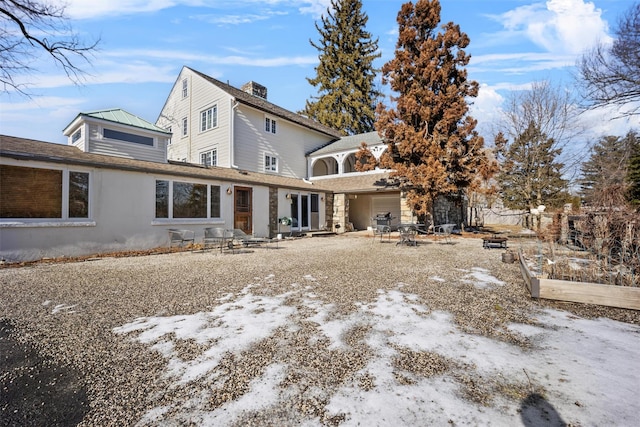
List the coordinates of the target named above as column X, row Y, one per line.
column 122, row 217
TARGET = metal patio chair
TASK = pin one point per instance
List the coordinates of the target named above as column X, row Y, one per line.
column 216, row 237
column 181, row 237
column 444, row 231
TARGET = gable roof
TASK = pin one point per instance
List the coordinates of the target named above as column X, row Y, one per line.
column 120, row 116
column 268, row 107
column 29, row 149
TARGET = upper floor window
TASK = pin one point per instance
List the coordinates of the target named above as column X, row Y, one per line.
column 185, row 88
column 270, row 163
column 209, row 118
column 269, row 125
column 127, row 137
column 185, row 127
column 76, row 136
column 209, row 158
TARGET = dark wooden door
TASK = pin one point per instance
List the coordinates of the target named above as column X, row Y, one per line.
column 242, row 218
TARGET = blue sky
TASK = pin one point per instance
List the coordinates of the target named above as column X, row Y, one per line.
column 145, row 43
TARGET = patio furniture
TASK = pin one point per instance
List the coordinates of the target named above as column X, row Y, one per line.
column 216, row 237
column 247, row 240
column 181, row 237
column 381, row 225
column 494, row 241
column 444, row 231
column 407, row 234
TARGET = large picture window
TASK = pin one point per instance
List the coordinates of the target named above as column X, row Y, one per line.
column 189, row 200
column 39, row 193
column 184, row 200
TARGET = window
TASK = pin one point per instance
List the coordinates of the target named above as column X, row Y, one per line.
column 215, row 201
column 209, row 118
column 43, row 193
column 189, row 200
column 185, row 88
column 270, row 163
column 185, row 127
column 127, row 137
column 209, row 158
column 78, row 195
column 76, row 136
column 269, row 125
column 183, row 200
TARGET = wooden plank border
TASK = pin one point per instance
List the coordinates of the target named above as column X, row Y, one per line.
column 581, row 292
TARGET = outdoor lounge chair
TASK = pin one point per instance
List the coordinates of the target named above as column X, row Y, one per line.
column 181, row 237
column 247, row 240
column 216, row 237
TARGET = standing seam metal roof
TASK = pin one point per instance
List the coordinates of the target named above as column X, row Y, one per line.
column 120, row 116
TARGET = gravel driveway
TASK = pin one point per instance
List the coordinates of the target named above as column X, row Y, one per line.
column 339, row 330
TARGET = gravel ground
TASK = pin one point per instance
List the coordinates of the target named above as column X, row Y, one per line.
column 63, row 315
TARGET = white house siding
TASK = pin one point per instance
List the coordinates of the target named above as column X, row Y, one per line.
column 202, row 95
column 289, row 144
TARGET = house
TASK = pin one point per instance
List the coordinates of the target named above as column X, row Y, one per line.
column 216, row 124
column 216, row 156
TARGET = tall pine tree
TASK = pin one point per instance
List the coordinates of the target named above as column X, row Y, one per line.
column 345, row 77
column 531, row 175
column 604, row 174
column 432, row 147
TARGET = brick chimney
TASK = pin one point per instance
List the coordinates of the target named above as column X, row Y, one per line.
column 255, row 89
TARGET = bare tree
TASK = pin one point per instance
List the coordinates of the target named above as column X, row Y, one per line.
column 30, row 27
column 552, row 111
column 610, row 75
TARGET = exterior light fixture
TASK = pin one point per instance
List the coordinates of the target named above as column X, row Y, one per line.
column 229, row 190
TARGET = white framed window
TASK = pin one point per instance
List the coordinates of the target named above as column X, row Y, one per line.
column 270, row 163
column 185, row 88
column 209, row 158
column 34, row 194
column 269, row 125
column 187, row 200
column 209, row 118
column 185, row 127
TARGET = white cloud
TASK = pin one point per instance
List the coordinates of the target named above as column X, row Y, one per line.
column 558, row 26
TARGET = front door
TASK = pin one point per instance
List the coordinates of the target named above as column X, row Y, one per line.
column 242, row 209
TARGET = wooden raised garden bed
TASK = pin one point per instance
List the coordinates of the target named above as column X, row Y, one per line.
column 582, row 292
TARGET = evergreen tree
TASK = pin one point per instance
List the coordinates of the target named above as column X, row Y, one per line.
column 604, row 174
column 432, row 147
column 345, row 75
column 633, row 175
column 530, row 175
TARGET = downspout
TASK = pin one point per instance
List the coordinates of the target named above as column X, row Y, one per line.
column 190, row 115
column 232, row 121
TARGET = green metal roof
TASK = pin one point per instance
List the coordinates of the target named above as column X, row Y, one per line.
column 118, row 115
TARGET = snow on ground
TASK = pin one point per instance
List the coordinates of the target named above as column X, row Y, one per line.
column 588, row 368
